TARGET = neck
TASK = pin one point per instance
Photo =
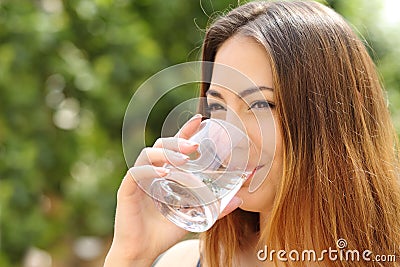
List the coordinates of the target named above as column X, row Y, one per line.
column 248, row 254
column 264, row 217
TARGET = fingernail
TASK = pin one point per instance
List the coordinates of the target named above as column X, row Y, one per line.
column 180, row 156
column 176, row 156
column 197, row 116
column 161, row 170
column 185, row 157
column 191, row 143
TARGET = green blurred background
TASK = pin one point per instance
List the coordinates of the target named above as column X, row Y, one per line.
column 67, row 72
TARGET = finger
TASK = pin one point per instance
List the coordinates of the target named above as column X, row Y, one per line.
column 235, row 203
column 176, row 144
column 129, row 185
column 160, row 156
column 190, row 127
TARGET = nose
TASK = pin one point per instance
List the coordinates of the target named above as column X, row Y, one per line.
column 235, row 117
column 232, row 117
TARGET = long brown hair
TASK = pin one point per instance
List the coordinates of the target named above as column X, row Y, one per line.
column 341, row 160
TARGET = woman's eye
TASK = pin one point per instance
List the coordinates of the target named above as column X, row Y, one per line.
column 261, row 105
column 215, row 107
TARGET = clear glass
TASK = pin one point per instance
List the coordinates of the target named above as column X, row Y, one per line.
column 194, row 194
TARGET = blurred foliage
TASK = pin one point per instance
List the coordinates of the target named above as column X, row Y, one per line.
column 67, row 71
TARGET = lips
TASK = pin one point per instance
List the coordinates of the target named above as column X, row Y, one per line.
column 253, row 173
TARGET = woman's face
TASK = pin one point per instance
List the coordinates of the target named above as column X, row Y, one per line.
column 253, row 110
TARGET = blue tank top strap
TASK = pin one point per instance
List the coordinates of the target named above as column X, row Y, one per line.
column 198, row 264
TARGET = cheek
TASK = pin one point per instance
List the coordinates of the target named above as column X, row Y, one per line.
column 262, row 199
column 266, row 141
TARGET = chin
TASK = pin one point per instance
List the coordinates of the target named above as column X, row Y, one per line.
column 258, row 201
column 248, row 200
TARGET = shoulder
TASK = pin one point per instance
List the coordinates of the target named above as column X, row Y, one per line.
column 185, row 253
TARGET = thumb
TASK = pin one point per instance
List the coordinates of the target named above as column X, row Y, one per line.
column 190, row 127
column 232, row 205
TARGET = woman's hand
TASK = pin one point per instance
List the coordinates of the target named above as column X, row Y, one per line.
column 141, row 232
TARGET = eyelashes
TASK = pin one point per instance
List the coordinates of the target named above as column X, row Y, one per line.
column 215, row 107
column 261, row 105
column 257, row 105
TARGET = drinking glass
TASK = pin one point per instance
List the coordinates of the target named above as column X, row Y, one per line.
column 193, row 195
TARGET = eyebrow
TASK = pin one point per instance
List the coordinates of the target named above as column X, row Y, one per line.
column 242, row 94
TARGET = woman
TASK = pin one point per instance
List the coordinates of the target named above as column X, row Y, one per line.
column 335, row 175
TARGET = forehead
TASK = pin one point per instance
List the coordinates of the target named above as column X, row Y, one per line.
column 241, row 63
